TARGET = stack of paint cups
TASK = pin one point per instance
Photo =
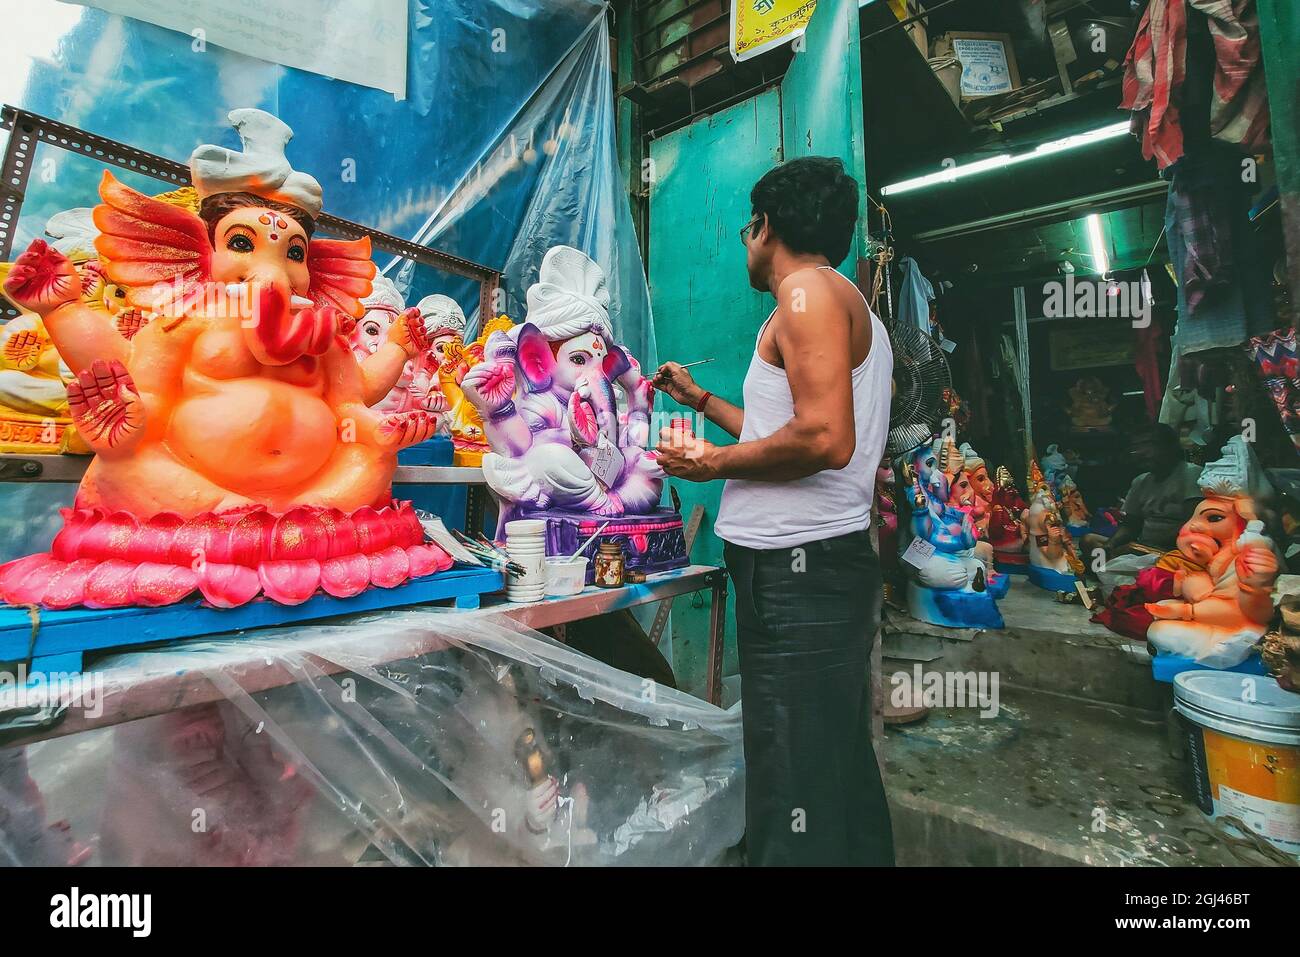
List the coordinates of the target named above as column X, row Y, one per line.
column 526, row 546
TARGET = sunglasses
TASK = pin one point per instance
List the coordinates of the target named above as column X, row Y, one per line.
column 748, row 227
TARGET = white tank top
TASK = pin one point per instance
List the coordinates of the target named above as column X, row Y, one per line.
column 831, row 502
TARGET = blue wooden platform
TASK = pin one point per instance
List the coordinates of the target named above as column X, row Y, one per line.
column 63, row 636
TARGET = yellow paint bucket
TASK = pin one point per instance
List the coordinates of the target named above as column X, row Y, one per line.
column 1243, row 735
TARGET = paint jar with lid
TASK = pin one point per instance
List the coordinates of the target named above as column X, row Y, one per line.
column 609, row 565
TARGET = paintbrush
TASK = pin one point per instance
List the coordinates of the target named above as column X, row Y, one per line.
column 487, row 542
column 493, row 557
column 698, row 362
column 583, row 547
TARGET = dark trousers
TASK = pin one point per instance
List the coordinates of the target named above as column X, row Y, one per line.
column 805, row 618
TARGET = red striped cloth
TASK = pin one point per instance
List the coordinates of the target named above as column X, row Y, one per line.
column 1156, row 68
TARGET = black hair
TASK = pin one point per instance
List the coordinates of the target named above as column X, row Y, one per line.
column 1162, row 436
column 216, row 207
column 811, row 204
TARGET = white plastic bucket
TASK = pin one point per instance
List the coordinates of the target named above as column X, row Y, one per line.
column 1243, row 735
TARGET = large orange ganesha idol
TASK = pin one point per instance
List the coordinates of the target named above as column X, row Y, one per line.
column 235, row 452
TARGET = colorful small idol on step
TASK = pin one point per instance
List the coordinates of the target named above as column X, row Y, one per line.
column 951, row 578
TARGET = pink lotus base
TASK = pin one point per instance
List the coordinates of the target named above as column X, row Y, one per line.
column 104, row 560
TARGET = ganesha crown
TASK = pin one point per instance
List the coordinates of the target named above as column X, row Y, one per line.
column 1233, row 474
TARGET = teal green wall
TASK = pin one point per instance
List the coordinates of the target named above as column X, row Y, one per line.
column 821, row 102
column 703, row 305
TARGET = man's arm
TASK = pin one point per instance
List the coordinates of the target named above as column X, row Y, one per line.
column 813, row 334
column 678, row 383
column 1130, row 526
column 1126, row 534
column 730, row 418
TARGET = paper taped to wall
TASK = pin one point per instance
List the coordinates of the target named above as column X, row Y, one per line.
column 360, row 41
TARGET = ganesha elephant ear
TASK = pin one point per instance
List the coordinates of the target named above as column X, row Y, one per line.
column 535, row 358
column 150, row 248
column 341, row 272
column 616, row 362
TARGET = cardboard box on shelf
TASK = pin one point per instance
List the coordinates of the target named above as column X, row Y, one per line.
column 988, row 62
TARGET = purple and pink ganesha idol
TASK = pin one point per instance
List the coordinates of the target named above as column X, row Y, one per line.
column 567, row 413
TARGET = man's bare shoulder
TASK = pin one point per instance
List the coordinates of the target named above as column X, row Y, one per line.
column 806, row 294
column 812, row 279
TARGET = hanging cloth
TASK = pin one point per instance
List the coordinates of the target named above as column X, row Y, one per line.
column 1156, row 72
column 1275, row 361
column 1149, row 360
column 914, row 296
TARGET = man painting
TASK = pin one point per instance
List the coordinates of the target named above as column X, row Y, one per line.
column 794, row 517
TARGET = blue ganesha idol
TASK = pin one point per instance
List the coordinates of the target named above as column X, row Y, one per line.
column 950, row 576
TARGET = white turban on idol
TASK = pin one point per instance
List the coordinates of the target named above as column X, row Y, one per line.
column 570, row 296
column 441, row 314
column 385, row 295
column 261, row 169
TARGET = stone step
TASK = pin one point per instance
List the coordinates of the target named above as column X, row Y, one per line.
column 1045, row 646
column 1048, row 780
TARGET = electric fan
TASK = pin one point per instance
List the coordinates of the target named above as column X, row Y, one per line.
column 920, row 376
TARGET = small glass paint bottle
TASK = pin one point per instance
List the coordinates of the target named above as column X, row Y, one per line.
column 609, row 565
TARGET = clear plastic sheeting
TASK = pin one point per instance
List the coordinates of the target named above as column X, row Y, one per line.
column 411, row 737
column 560, row 154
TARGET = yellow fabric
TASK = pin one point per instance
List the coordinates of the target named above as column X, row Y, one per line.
column 1175, row 560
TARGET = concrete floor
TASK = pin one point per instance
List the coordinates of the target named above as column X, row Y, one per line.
column 1075, row 768
column 1048, row 781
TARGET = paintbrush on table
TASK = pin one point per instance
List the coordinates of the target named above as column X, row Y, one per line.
column 491, row 555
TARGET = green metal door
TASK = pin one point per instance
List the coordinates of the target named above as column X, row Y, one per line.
column 821, row 102
column 703, row 305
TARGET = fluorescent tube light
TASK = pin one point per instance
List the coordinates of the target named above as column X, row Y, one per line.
column 1097, row 243
column 955, row 173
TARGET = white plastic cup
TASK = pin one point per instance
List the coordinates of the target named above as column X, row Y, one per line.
column 565, row 576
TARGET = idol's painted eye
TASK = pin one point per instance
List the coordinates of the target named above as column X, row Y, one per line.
column 1214, row 517
column 578, row 359
column 371, row 328
column 298, row 252
column 239, row 243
